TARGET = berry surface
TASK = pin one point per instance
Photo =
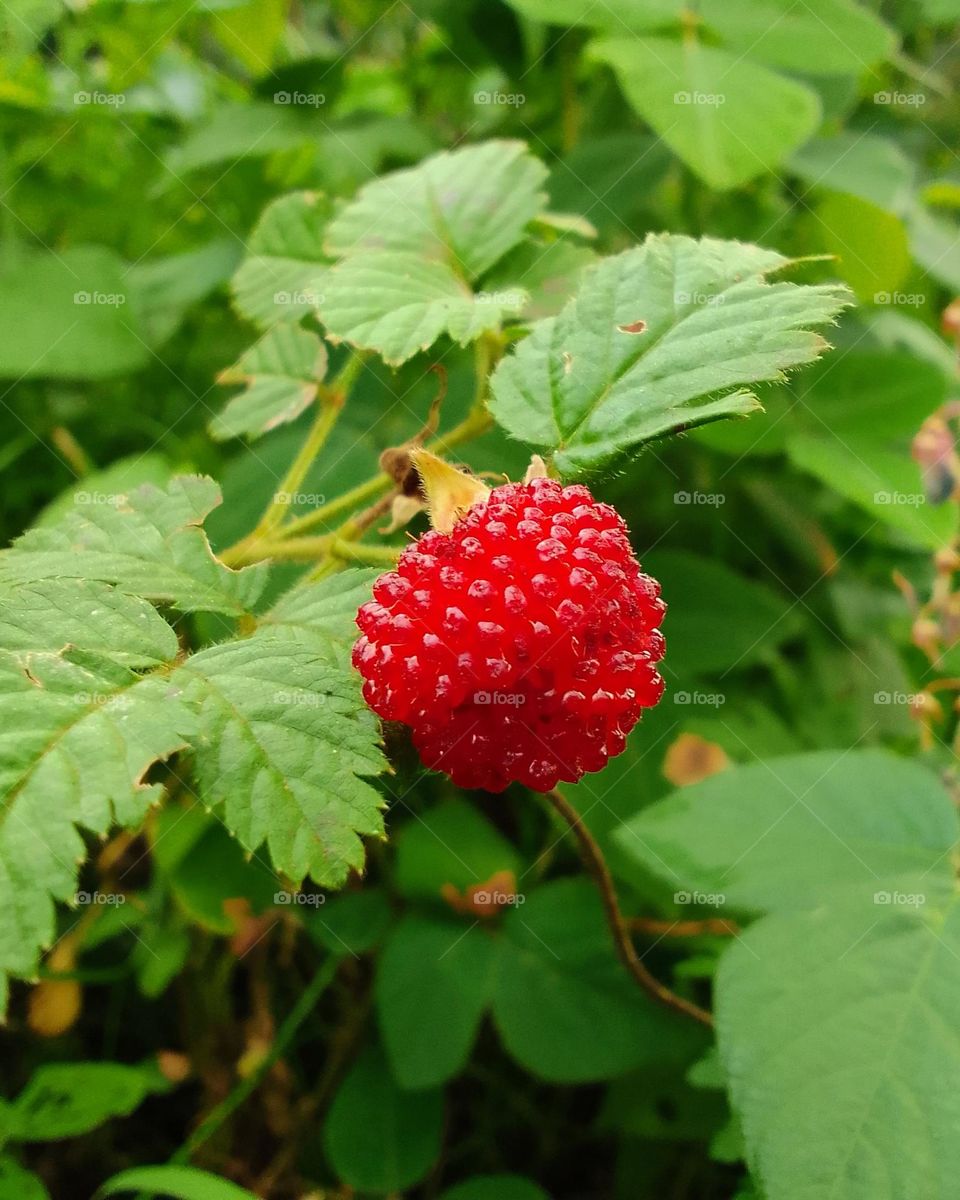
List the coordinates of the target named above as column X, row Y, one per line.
column 520, row 647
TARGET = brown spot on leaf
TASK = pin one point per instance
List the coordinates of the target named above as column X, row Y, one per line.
column 633, row 327
column 692, row 758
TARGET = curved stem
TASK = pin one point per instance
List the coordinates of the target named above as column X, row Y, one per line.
column 285, row 1035
column 596, row 864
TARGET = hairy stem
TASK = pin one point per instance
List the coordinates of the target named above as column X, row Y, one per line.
column 375, row 556
column 285, row 1035
column 596, row 864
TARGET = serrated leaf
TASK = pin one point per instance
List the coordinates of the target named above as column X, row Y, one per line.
column 78, row 734
column 283, row 273
column 328, row 607
column 652, row 343
column 399, row 303
column 285, row 746
column 785, row 833
column 729, row 119
column 463, row 207
column 281, row 373
column 149, row 543
column 82, row 614
column 838, row 1031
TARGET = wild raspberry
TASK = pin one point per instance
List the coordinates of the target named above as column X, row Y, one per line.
column 519, row 647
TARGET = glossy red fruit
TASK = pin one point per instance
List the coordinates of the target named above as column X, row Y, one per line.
column 521, row 646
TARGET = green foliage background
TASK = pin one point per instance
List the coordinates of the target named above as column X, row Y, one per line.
column 265, row 978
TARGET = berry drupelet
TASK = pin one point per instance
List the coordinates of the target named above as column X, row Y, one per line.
column 521, row 646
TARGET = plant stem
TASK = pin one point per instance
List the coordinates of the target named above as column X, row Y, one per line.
column 713, row 926
column 476, row 423
column 285, row 1035
column 596, row 864
column 371, row 555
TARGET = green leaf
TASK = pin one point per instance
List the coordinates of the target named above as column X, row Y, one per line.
column 452, row 844
column 563, row 1003
column 855, row 424
column 837, row 1028
column 819, row 37
column 64, row 1100
column 285, row 745
column 354, row 922
column 870, row 245
column 215, row 870
column 79, row 734
column 327, row 608
column 16, row 1183
column 70, row 315
column 861, row 164
column 544, row 275
column 785, row 833
column 592, row 387
column 703, row 596
column 283, row 274
column 398, row 303
column 729, row 119
column 434, row 980
column 281, row 374
column 637, row 15
column 149, row 542
column 378, row 1137
column 495, row 1187
column 82, row 614
column 180, row 1183
column 465, row 208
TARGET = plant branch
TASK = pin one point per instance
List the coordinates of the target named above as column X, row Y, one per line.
column 596, row 864
column 285, row 1035
column 715, row 926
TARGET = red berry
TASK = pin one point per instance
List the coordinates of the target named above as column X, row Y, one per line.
column 519, row 647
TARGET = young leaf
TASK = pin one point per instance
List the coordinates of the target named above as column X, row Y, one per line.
column 149, row 543
column 283, row 274
column 729, row 119
column 281, row 373
column 285, row 746
column 463, row 207
column 652, row 343
column 398, row 303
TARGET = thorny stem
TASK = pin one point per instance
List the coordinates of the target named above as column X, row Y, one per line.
column 285, row 1035
column 596, row 864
